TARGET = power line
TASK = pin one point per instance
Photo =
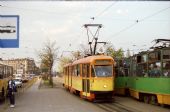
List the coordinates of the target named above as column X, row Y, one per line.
column 107, row 8
column 100, row 13
column 126, row 28
column 137, row 21
column 154, row 14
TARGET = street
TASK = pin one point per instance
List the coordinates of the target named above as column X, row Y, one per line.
column 58, row 99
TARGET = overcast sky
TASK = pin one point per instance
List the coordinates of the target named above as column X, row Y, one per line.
column 125, row 23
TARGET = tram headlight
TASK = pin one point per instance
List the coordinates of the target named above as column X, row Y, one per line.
column 105, row 86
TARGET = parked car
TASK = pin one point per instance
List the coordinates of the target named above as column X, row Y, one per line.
column 24, row 80
column 18, row 82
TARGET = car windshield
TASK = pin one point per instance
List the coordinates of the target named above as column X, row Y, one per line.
column 103, row 71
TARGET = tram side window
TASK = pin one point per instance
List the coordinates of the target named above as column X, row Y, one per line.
column 142, row 70
column 85, row 70
column 155, row 69
column 166, row 69
column 123, row 69
column 166, row 54
column 139, row 59
column 72, row 70
column 78, row 70
column 75, row 70
column 154, row 56
column 133, row 69
column 126, row 68
column 120, row 71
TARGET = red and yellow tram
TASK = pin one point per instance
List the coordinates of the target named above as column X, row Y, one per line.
column 91, row 77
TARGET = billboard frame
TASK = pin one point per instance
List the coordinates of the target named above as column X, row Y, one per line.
column 11, row 43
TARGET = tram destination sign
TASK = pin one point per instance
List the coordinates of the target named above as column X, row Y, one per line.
column 9, row 31
column 101, row 62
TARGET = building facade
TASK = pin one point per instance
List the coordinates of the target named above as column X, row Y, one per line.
column 22, row 66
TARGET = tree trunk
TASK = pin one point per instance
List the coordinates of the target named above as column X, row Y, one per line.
column 51, row 78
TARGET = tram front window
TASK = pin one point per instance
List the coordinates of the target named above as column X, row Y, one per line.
column 103, row 71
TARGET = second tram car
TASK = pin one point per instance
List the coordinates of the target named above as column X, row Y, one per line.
column 147, row 78
column 91, row 77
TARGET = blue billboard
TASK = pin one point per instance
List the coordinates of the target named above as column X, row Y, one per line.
column 9, row 31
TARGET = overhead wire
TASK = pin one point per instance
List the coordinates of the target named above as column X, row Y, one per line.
column 102, row 12
column 141, row 20
column 93, row 18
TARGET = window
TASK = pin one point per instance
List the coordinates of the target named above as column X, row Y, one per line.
column 154, row 56
column 103, row 71
column 133, row 67
column 144, row 58
column 73, row 70
column 166, row 69
column 141, row 70
column 166, row 54
column 86, row 68
column 141, row 67
column 120, row 68
column 155, row 69
column 77, row 70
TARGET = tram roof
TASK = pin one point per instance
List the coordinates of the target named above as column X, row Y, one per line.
column 91, row 59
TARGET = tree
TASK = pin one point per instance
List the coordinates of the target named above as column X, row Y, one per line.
column 48, row 56
column 63, row 61
column 110, row 51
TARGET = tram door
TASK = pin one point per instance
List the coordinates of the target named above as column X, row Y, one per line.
column 86, row 80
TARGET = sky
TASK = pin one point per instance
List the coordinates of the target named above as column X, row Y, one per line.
column 126, row 24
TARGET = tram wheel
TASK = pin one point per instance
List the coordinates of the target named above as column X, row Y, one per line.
column 153, row 100
column 146, row 99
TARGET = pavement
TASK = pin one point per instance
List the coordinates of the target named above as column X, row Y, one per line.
column 51, row 100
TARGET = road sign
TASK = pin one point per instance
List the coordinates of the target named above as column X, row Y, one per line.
column 9, row 31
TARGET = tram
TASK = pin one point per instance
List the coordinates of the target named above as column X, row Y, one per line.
column 148, row 76
column 91, row 77
column 5, row 72
column 151, row 76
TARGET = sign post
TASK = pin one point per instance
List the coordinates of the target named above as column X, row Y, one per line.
column 9, row 31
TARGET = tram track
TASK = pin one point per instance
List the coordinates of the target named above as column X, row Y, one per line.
column 116, row 107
